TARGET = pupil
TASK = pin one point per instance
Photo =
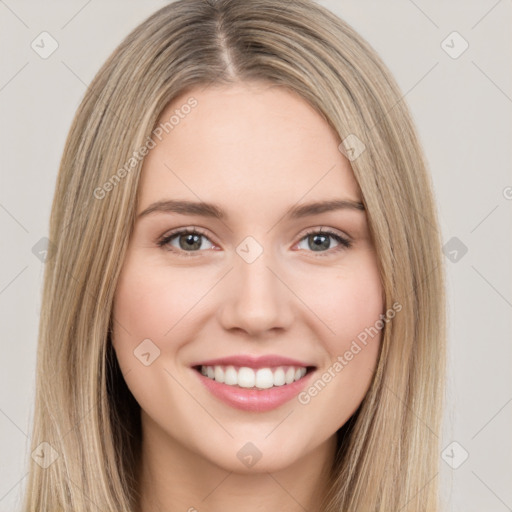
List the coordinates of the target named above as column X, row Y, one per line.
column 191, row 239
column 322, row 244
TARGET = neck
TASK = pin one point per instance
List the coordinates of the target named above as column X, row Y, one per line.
column 176, row 479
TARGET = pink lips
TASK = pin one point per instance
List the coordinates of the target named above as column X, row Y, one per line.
column 251, row 399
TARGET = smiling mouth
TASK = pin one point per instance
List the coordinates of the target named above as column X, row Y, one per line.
column 251, row 378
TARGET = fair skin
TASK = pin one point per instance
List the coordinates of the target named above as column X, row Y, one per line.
column 255, row 150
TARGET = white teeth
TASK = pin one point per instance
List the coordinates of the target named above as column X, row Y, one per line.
column 245, row 377
column 230, row 376
column 290, row 375
column 219, row 374
column 279, row 379
column 264, row 378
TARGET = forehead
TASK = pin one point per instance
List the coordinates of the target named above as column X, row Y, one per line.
column 247, row 146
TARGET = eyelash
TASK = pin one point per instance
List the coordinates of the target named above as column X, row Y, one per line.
column 164, row 240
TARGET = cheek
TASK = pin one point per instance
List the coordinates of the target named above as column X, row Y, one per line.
column 352, row 303
column 148, row 305
column 150, row 302
column 140, row 312
column 352, row 308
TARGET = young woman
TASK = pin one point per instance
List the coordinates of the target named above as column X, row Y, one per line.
column 245, row 305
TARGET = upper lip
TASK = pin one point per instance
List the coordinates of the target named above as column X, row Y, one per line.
column 253, row 361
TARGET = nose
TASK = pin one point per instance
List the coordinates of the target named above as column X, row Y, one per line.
column 256, row 299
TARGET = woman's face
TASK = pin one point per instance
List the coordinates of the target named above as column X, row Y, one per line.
column 257, row 297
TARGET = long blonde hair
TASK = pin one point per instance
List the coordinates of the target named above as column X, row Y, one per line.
column 388, row 453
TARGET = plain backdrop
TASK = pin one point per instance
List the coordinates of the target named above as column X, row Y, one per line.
column 459, row 89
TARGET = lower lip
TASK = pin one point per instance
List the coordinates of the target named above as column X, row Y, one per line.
column 256, row 400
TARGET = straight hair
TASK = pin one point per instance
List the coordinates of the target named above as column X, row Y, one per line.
column 387, row 454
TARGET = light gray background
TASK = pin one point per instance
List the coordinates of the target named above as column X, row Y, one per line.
column 462, row 108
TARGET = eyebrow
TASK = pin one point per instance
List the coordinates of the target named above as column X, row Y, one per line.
column 214, row 211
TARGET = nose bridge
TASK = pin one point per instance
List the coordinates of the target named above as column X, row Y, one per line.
column 256, row 299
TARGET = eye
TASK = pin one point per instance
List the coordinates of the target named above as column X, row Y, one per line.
column 191, row 240
column 188, row 240
column 318, row 240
